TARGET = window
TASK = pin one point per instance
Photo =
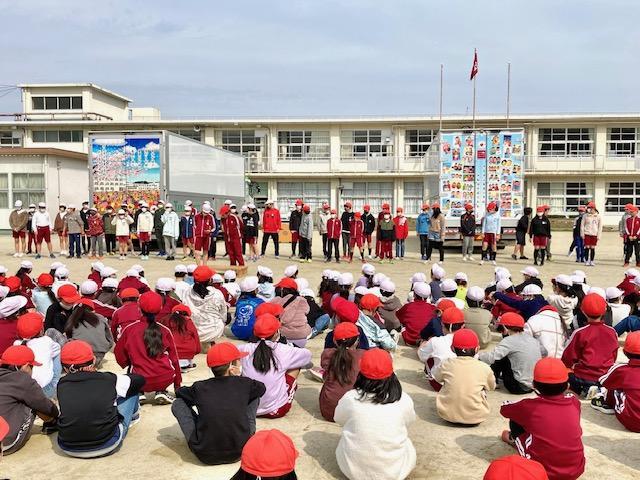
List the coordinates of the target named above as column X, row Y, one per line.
column 64, row 103
column 57, row 136
column 28, row 187
column 622, row 141
column 7, row 139
column 240, row 141
column 38, row 103
column 4, row 190
column 299, row 145
column 564, row 197
column 418, row 142
column 76, row 103
column 413, row 197
column 621, row 193
column 189, row 133
column 313, row 194
column 359, row 145
column 372, row 193
column 561, row 142
column 57, row 103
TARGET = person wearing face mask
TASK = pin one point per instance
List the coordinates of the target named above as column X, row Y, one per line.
column 334, row 228
column 31, row 234
column 84, row 214
column 387, row 236
column 294, row 226
column 369, row 226
column 96, row 233
column 323, row 219
column 539, row 232
column 187, row 232
column 271, row 225
column 346, row 218
column 73, row 228
column 234, row 236
column 58, row 227
column 591, row 231
column 170, row 230
column 41, row 225
column 436, row 233
column 158, row 226
column 18, row 220
column 109, row 230
column 491, row 230
column 144, row 229
column 58, row 313
column 203, row 225
column 122, row 223
column 251, row 220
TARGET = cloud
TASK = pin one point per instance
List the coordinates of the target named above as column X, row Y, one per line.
column 112, row 142
column 152, row 147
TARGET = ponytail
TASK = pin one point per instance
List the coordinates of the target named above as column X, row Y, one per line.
column 152, row 336
column 80, row 314
column 201, row 289
column 51, row 295
column 179, row 322
column 341, row 362
column 263, row 358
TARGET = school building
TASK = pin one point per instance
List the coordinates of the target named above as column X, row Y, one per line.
column 570, row 158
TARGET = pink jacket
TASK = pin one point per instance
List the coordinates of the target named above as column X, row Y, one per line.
column 294, row 317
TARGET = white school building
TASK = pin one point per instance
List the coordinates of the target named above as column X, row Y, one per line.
column 570, row 158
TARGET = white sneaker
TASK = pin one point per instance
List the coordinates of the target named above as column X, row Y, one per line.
column 464, row 258
column 470, row 258
column 481, row 262
column 493, row 262
column 16, row 255
column 592, row 263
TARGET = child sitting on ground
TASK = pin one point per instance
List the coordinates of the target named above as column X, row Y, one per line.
column 477, row 318
column 390, row 306
column 415, row 315
column 245, row 314
column 592, row 349
column 218, row 415
column 269, row 454
column 347, row 311
column 547, row 428
column 128, row 313
column 515, row 467
column 185, row 335
column 465, row 381
column 376, row 336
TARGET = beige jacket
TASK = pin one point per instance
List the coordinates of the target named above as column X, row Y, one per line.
column 591, row 225
column 18, row 220
column 478, row 319
column 463, row 397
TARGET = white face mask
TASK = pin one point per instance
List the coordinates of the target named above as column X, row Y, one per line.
column 168, row 209
column 298, row 207
column 333, row 215
column 387, row 217
column 144, row 209
column 539, row 214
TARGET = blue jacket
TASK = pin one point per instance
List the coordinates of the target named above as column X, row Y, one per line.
column 216, row 226
column 629, row 324
column 491, row 223
column 422, row 223
column 186, row 227
column 245, row 317
column 527, row 308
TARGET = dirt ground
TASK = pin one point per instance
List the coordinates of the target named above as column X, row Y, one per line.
column 156, row 449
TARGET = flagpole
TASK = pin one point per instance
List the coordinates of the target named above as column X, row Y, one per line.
column 475, row 52
column 441, row 83
column 508, row 91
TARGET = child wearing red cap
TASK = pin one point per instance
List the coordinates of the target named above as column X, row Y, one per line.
column 128, row 313
column 345, row 220
column 96, row 408
column 346, row 311
column 184, row 334
column 515, row 467
column 547, row 428
column 224, row 417
column 341, row 366
column 592, row 349
column 356, row 236
column 42, row 296
column 306, row 234
column 147, row 347
column 491, row 230
column 85, row 324
column 620, row 394
column 294, row 315
column 21, row 398
column 369, row 226
column 465, row 381
column 540, row 233
column 275, row 364
column 591, row 231
column 334, row 230
column 11, row 308
column 401, row 230
column 269, row 454
column 375, row 415
column 377, row 336
column 387, row 235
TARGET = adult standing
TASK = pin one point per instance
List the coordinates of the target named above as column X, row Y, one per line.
column 294, row 227
column 436, row 232
column 369, row 226
column 41, row 225
column 109, row 230
column 234, row 235
column 271, row 225
column 323, row 220
column 158, row 227
column 18, row 219
column 213, row 247
column 204, row 224
column 58, row 228
column 591, row 231
column 73, row 228
column 84, row 214
column 345, row 220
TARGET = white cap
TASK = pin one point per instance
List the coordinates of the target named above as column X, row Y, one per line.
column 165, row 284
column 599, row 291
column 61, row 272
column 581, row 274
column 378, row 278
column 368, row 269
column 187, row 209
column 265, row 271
column 532, row 289
column 335, row 275
column 325, row 273
column 345, row 279
column 361, row 290
column 503, row 284
column 613, row 292
column 563, row 280
column 26, row 264
column 230, row 275
column 578, row 280
column 107, row 272
column 249, row 284
column 42, row 205
column 3, row 270
column 121, row 212
column 375, row 291
column 191, row 267
column 217, row 278
column 448, row 285
column 461, row 276
column 290, row 270
column 4, row 291
column 132, row 273
column 530, row 271
column 502, row 274
column 269, row 202
column 11, row 305
column 422, row 289
column 228, row 202
column 56, row 265
column 475, row 293
column 418, row 277
column 188, row 203
column 206, row 208
column 137, row 267
column 632, row 272
column 168, row 205
column 437, row 271
column 302, row 283
column 388, row 286
column 252, row 206
column 71, row 206
column 97, row 266
column 18, row 204
column 180, row 268
column 88, row 287
column 307, row 292
column 110, row 283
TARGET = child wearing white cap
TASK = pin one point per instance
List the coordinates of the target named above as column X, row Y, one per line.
column 530, row 275
column 390, row 305
column 245, row 314
column 619, row 310
column 476, row 317
column 231, row 285
column 437, row 274
column 563, row 298
column 461, row 280
column 449, row 289
column 266, row 290
column 18, row 219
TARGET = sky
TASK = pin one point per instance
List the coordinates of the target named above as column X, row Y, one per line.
column 329, row 57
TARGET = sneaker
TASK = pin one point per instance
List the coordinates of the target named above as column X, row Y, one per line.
column 471, row 259
column 464, row 258
column 135, row 419
column 316, row 373
column 51, row 255
column 493, row 262
column 481, row 262
column 593, row 392
column 16, row 255
column 599, row 404
column 38, row 256
column 514, row 256
column 506, row 438
column 163, row 398
column 524, row 258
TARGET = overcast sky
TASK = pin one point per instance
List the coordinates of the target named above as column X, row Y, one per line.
column 329, row 57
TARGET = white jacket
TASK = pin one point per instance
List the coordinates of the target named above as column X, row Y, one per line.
column 40, row 219
column 619, row 311
column 546, row 326
column 145, row 222
column 122, row 225
column 171, row 224
column 564, row 305
column 323, row 220
column 209, row 314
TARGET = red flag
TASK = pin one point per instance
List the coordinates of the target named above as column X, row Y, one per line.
column 474, row 68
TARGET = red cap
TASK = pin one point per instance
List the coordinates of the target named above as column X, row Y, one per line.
column 435, row 205
column 347, row 204
column 270, row 308
column 452, row 316
column 399, row 209
column 150, row 302
column 287, row 282
column 366, row 208
column 369, row 301
column 325, row 205
column 129, row 293
column 515, row 467
column 386, row 206
column 425, row 206
column 357, row 215
column 181, row 308
column 511, row 319
column 550, row 370
column 468, row 207
column 334, row 211
column 30, row 324
column 19, row 355
column 593, row 305
column 68, row 294
column 632, row 343
column 87, row 302
column 13, row 284
column 266, row 326
column 45, row 280
column 299, row 202
column 203, row 274
column 76, row 352
column 581, row 208
column 223, row 353
column 347, row 311
column 224, row 210
column 633, row 208
column 4, row 428
column 376, row 364
column 269, row 453
column 445, row 304
column 306, row 209
column 465, row 339
column 345, row 330
column 540, row 208
column 492, row 206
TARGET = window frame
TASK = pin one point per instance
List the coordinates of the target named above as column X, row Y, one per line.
column 360, row 145
column 189, row 133
column 562, row 142
column 53, row 136
column 5, row 192
column 615, row 146
column 242, row 147
column 7, row 139
column 310, row 148
column 618, row 194
column 362, row 193
column 28, row 195
column 420, row 147
column 413, row 202
column 312, row 193
column 75, row 102
column 561, row 197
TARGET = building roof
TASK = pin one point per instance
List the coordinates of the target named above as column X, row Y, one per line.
column 76, row 85
column 58, row 152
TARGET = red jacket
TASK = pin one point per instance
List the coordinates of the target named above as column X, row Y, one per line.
column 204, row 224
column 632, row 226
column 165, row 311
column 230, row 299
column 356, row 230
column 8, row 333
column 187, row 343
column 591, row 351
column 95, row 276
column 627, row 286
column 26, row 285
column 334, row 228
column 234, row 227
column 132, row 282
column 623, row 382
column 271, row 222
column 103, row 309
column 96, row 225
column 402, row 227
column 553, row 435
column 159, row 372
column 123, row 316
column 414, row 316
column 500, row 308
